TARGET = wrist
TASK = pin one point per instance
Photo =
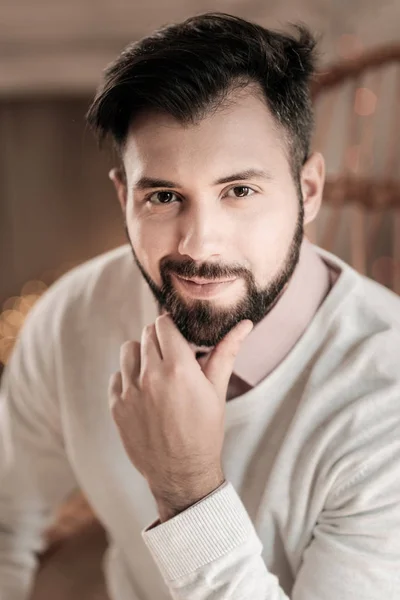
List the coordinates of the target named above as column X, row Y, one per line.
column 171, row 503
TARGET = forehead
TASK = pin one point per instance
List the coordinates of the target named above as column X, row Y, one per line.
column 243, row 130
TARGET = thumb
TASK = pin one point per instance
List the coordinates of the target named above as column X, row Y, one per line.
column 219, row 366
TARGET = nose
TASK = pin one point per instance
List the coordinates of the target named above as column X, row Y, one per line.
column 202, row 233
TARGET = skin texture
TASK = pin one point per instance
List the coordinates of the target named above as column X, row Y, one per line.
column 170, row 412
column 248, row 228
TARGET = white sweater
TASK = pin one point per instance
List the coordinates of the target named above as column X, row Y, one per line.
column 311, row 508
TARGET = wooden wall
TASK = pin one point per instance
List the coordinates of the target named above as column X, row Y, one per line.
column 57, row 205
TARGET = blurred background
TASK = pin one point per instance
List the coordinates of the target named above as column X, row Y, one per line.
column 57, row 206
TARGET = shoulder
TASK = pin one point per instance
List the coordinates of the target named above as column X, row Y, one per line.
column 378, row 299
column 80, row 298
column 360, row 353
column 361, row 306
column 98, row 278
column 352, row 387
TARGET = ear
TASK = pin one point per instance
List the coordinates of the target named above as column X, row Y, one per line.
column 312, row 181
column 117, row 176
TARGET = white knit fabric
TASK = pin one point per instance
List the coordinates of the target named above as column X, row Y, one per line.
column 311, row 505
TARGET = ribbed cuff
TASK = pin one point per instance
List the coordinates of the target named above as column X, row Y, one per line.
column 201, row 534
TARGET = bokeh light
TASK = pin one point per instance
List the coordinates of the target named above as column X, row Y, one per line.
column 16, row 308
column 33, row 287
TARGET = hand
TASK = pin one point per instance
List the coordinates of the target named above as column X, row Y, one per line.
column 170, row 412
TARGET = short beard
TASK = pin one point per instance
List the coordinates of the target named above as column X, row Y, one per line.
column 203, row 324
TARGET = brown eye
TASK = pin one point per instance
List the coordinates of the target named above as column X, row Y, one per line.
column 162, row 197
column 242, row 191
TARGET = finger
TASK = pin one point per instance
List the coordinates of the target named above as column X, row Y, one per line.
column 114, row 389
column 172, row 343
column 130, row 364
column 225, row 352
column 150, row 355
column 220, row 365
column 203, row 360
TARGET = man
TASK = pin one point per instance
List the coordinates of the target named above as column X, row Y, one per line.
column 224, row 463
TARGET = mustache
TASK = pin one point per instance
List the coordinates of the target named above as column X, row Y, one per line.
column 205, row 271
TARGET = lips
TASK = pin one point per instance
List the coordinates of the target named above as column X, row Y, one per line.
column 203, row 290
column 199, row 281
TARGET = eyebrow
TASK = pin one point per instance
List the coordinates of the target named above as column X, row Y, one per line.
column 145, row 183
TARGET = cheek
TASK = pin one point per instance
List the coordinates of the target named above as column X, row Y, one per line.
column 267, row 246
column 275, row 225
column 151, row 243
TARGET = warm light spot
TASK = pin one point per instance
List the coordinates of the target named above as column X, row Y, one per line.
column 16, row 308
column 349, row 46
column 30, row 299
column 6, row 330
column 24, row 306
column 6, row 346
column 365, row 102
column 13, row 318
column 11, row 303
column 33, row 287
column 19, row 304
column 14, row 313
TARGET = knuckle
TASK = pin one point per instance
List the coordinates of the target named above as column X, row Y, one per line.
column 175, row 370
column 146, row 378
column 127, row 349
column 114, row 403
column 113, row 383
column 149, row 329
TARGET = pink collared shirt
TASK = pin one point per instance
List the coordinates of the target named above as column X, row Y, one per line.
column 273, row 337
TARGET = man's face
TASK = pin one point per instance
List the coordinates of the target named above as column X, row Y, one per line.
column 247, row 228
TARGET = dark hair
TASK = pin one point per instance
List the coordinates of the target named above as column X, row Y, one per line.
column 188, row 69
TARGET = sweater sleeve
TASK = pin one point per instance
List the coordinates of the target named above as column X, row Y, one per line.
column 211, row 551
column 35, row 475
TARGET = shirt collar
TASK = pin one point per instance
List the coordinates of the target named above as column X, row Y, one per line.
column 273, row 337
